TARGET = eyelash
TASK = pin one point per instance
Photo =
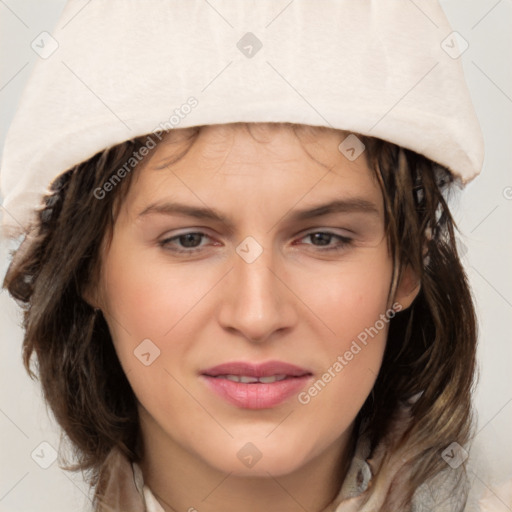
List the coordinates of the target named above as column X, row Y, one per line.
column 344, row 242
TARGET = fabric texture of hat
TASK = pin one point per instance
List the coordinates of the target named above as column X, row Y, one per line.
column 117, row 69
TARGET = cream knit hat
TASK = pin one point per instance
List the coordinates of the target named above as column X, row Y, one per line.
column 116, row 69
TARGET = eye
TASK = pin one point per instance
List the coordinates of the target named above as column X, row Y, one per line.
column 325, row 237
column 190, row 241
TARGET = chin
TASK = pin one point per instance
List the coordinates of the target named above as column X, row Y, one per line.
column 250, row 459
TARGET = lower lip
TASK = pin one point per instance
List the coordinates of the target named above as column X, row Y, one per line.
column 256, row 395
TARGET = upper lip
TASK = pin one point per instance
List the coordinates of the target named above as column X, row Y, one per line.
column 266, row 369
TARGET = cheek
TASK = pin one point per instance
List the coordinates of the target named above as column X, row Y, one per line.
column 352, row 302
column 148, row 296
column 352, row 297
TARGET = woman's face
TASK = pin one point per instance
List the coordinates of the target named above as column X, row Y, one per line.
column 251, row 268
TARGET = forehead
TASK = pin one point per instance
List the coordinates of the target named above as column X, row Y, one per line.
column 248, row 144
column 268, row 159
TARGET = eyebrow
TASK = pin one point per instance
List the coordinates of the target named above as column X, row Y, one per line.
column 349, row 205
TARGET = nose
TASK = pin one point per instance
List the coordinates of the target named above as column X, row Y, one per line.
column 256, row 300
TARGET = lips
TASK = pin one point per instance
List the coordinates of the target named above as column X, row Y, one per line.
column 267, row 369
column 256, row 386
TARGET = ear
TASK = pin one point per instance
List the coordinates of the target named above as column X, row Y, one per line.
column 90, row 295
column 91, row 289
column 408, row 288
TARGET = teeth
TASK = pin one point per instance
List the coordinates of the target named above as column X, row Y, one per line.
column 245, row 379
column 272, row 378
column 248, row 380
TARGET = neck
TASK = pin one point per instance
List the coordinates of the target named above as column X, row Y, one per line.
column 181, row 480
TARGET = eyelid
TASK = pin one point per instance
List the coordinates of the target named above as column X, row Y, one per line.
column 327, row 229
column 205, row 231
column 167, row 238
column 343, row 241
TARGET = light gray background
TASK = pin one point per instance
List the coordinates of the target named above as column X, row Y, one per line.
column 483, row 213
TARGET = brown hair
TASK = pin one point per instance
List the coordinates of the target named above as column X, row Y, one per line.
column 430, row 349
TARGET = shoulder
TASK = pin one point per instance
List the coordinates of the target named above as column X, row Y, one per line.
column 378, row 477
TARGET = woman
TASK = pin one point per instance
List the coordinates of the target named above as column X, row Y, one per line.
column 256, row 370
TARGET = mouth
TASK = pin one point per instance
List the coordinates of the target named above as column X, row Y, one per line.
column 251, row 386
column 246, row 379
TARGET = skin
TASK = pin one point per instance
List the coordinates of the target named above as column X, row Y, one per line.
column 296, row 302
